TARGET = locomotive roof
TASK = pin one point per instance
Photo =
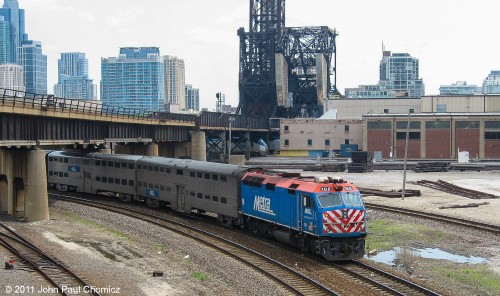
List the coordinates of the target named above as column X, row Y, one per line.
column 307, row 184
column 195, row 165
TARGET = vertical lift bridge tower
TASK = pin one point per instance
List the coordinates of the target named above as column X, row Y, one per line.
column 284, row 71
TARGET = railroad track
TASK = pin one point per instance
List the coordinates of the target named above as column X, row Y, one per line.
column 294, row 281
column 64, row 281
column 495, row 229
column 382, row 280
column 454, row 189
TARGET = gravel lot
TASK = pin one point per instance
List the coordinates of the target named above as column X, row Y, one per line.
column 116, row 252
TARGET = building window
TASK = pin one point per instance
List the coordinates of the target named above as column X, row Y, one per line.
column 287, row 142
column 286, row 129
column 386, row 111
column 327, row 142
column 346, row 141
column 412, row 110
column 309, row 142
column 346, row 128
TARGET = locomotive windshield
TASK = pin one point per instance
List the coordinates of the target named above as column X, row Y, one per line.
column 337, row 199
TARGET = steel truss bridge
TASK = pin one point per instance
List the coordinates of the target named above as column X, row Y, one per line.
column 284, row 70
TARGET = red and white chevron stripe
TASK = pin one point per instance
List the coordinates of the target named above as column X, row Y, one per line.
column 333, row 221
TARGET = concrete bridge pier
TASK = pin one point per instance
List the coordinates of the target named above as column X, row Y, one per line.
column 23, row 184
column 36, row 200
column 198, row 146
column 151, row 149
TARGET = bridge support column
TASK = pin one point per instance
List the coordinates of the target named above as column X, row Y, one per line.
column 36, row 199
column 198, row 146
column 152, row 149
column 7, row 201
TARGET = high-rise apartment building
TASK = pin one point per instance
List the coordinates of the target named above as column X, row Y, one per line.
column 459, row 88
column 192, row 98
column 398, row 77
column 175, row 81
column 34, row 63
column 134, row 79
column 14, row 17
column 12, row 78
column 400, row 72
column 73, row 79
column 491, row 84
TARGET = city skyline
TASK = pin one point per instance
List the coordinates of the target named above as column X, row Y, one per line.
column 452, row 39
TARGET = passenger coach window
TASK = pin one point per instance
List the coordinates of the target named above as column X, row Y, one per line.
column 124, row 182
column 156, row 169
column 162, row 188
column 105, row 179
column 124, row 165
column 117, row 165
column 98, row 163
column 130, row 182
column 51, row 159
column 223, row 200
column 50, row 173
column 179, row 172
column 104, row 164
column 162, row 170
column 207, row 176
column 199, row 195
column 139, row 167
column 61, row 174
column 86, row 161
column 215, row 177
column 139, row 183
column 65, row 160
column 150, row 168
column 98, row 179
column 199, row 175
column 117, row 181
column 131, row 166
column 215, row 198
column 192, row 174
column 223, row 178
column 110, row 164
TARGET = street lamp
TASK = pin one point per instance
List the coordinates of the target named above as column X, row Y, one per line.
column 230, row 120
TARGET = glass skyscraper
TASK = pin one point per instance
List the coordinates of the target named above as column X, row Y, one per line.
column 73, row 81
column 15, row 18
column 134, row 79
column 192, row 98
column 34, row 63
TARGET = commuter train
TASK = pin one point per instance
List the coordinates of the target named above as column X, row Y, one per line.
column 321, row 215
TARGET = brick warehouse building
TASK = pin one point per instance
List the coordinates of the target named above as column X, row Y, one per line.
column 433, row 135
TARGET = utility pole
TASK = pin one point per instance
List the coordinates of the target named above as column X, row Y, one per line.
column 406, row 156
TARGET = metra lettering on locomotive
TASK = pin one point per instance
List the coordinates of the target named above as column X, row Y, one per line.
column 323, row 215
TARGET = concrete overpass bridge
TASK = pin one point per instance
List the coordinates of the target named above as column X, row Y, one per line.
column 31, row 123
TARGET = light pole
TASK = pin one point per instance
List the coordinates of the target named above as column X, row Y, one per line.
column 406, row 156
column 230, row 120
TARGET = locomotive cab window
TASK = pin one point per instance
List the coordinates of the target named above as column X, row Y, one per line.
column 329, row 200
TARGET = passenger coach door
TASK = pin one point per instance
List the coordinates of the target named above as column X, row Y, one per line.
column 181, row 198
column 87, row 176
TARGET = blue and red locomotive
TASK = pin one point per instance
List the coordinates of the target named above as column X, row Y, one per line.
column 322, row 215
column 325, row 216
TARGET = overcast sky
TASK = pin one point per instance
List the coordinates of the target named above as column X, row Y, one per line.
column 454, row 40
